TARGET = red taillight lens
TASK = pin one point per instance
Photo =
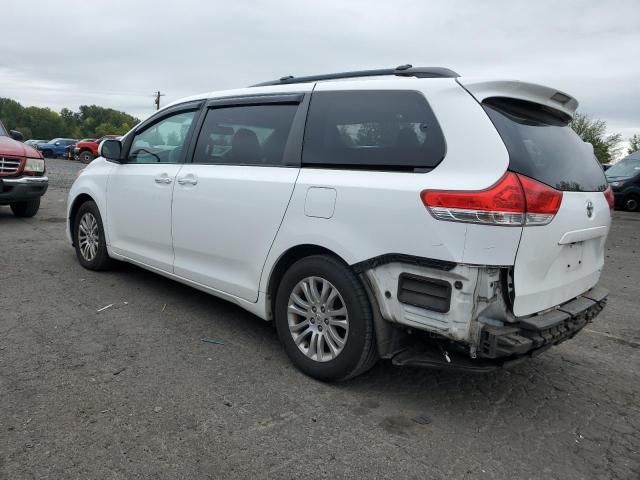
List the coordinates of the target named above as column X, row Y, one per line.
column 608, row 194
column 514, row 200
column 543, row 202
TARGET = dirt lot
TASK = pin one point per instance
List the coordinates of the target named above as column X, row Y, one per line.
column 133, row 392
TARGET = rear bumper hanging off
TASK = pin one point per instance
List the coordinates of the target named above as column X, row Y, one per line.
column 510, row 345
column 539, row 331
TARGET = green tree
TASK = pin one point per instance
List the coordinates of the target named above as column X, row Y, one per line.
column 91, row 121
column 606, row 147
column 634, row 144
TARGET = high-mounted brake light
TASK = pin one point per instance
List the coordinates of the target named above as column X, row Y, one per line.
column 608, row 194
column 515, row 200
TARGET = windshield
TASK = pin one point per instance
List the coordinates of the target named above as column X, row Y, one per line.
column 625, row 168
column 2, row 130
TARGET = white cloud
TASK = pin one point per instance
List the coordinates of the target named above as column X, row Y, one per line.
column 116, row 53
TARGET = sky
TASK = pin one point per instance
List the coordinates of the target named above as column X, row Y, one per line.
column 67, row 53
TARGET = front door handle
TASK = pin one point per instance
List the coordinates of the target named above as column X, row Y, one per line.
column 163, row 179
column 188, row 180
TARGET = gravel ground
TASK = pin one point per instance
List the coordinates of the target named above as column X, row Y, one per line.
column 133, row 392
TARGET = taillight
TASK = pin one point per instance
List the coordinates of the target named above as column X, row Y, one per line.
column 515, row 200
column 543, row 202
column 608, row 194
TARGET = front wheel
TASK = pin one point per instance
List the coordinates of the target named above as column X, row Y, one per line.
column 89, row 239
column 324, row 320
column 86, row 157
column 26, row 209
column 632, row 203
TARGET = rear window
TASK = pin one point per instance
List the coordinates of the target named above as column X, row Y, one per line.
column 373, row 129
column 543, row 146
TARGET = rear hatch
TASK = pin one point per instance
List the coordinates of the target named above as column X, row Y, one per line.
column 558, row 260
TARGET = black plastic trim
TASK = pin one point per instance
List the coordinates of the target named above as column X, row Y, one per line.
column 533, row 334
column 374, row 262
column 423, row 292
column 286, row 98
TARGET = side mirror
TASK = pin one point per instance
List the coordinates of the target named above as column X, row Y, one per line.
column 110, row 149
column 16, row 135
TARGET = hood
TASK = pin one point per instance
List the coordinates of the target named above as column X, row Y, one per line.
column 12, row 148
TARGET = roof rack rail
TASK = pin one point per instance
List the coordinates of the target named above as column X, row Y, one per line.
column 400, row 71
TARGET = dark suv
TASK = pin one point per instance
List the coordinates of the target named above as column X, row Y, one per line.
column 624, row 178
column 22, row 174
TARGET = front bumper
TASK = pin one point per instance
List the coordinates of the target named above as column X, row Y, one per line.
column 22, row 189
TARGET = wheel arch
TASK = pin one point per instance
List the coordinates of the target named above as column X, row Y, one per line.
column 288, row 258
column 75, row 206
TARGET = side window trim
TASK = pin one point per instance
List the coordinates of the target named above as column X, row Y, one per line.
column 246, row 100
column 151, row 121
column 292, row 156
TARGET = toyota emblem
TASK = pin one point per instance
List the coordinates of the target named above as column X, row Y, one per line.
column 589, row 209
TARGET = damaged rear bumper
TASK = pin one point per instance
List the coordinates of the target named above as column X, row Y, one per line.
column 507, row 346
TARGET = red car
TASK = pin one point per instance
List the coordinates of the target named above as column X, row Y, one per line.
column 22, row 174
column 85, row 151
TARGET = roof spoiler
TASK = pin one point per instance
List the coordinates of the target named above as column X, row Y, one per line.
column 550, row 97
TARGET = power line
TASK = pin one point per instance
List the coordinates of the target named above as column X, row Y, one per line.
column 157, row 96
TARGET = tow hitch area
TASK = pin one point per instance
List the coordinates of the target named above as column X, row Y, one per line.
column 506, row 346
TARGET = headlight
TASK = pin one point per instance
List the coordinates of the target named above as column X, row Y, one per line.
column 34, row 165
column 617, row 184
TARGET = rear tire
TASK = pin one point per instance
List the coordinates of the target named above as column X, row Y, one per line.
column 89, row 239
column 324, row 320
column 86, row 157
column 26, row 209
column 47, row 154
column 632, row 203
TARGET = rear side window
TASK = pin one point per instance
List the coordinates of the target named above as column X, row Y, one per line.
column 245, row 135
column 373, row 129
column 543, row 146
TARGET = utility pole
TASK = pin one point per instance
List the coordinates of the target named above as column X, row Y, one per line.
column 157, row 96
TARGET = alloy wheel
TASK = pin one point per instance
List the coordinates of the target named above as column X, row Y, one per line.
column 318, row 319
column 88, row 236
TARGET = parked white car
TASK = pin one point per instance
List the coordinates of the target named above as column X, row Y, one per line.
column 406, row 214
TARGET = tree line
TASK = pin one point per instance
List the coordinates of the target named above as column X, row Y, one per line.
column 90, row 121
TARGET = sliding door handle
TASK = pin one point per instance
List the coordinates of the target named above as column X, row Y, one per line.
column 188, row 180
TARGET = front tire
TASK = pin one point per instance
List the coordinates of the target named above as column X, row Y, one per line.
column 632, row 203
column 324, row 320
column 26, row 209
column 86, row 157
column 89, row 239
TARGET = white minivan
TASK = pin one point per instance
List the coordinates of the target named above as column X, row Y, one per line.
column 407, row 214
